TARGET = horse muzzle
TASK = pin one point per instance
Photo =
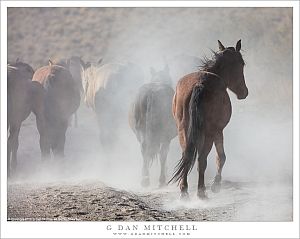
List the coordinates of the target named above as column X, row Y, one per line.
column 243, row 95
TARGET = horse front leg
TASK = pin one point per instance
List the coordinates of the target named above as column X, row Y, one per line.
column 164, row 149
column 220, row 160
column 203, row 151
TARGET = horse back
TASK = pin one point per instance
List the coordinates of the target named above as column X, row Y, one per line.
column 214, row 99
column 41, row 74
column 151, row 115
column 63, row 97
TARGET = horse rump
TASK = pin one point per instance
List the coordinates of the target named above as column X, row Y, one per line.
column 195, row 135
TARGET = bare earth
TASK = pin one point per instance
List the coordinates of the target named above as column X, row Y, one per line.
column 93, row 201
column 97, row 202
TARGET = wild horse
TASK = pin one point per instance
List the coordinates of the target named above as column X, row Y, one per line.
column 151, row 120
column 19, row 77
column 55, row 98
column 202, row 109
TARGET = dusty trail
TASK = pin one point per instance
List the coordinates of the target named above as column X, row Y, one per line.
column 94, row 201
column 97, row 202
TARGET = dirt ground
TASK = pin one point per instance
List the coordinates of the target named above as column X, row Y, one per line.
column 93, row 201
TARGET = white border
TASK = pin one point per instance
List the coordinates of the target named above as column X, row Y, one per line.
column 98, row 229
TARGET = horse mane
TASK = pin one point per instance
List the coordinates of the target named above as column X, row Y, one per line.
column 97, row 77
column 210, row 64
column 207, row 64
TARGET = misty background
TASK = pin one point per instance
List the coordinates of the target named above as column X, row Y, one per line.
column 258, row 139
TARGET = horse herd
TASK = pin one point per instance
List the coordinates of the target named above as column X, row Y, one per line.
column 200, row 106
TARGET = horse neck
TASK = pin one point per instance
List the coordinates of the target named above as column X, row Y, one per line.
column 217, row 71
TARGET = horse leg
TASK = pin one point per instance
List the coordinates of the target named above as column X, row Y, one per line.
column 221, row 158
column 9, row 149
column 9, row 146
column 164, row 149
column 59, row 139
column 145, row 170
column 202, row 164
column 12, row 147
column 44, row 137
column 183, row 185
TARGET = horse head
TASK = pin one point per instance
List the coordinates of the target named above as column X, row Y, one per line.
column 231, row 67
column 162, row 76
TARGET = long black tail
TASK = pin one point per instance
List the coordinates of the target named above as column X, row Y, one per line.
column 194, row 135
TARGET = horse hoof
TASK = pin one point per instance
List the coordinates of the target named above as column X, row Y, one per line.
column 162, row 185
column 184, row 196
column 202, row 195
column 216, row 187
column 145, row 182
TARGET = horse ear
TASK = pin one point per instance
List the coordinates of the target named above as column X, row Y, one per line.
column 152, row 71
column 99, row 61
column 50, row 62
column 17, row 60
column 87, row 65
column 221, row 47
column 238, row 45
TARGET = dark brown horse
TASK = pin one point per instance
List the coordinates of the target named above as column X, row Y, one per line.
column 76, row 66
column 151, row 120
column 55, row 98
column 202, row 109
column 19, row 77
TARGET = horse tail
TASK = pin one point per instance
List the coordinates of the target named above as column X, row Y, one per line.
column 150, row 144
column 194, row 137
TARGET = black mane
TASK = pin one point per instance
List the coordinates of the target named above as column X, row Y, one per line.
column 216, row 60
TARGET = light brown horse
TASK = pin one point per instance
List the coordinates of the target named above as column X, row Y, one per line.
column 55, row 98
column 202, row 109
column 151, row 120
column 19, row 77
column 108, row 89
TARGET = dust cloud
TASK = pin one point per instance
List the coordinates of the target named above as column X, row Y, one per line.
column 258, row 139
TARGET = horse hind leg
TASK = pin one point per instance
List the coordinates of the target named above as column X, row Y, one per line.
column 183, row 185
column 12, row 147
column 9, row 152
column 203, row 151
column 220, row 160
column 164, row 149
column 58, row 140
column 146, row 164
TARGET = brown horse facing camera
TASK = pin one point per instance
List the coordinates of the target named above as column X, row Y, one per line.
column 202, row 109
